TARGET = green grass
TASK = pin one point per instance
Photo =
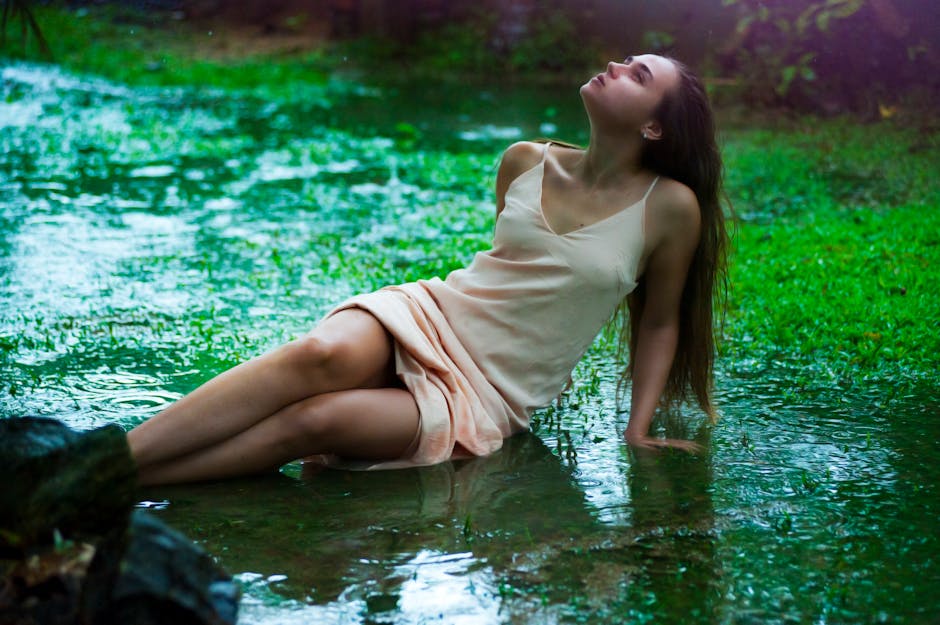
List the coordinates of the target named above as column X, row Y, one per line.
column 835, row 257
column 123, row 45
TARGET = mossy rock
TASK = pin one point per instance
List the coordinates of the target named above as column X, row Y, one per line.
column 73, row 550
column 81, row 484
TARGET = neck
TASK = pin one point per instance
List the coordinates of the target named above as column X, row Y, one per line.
column 609, row 160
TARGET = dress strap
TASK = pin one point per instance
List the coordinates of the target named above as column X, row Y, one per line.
column 650, row 190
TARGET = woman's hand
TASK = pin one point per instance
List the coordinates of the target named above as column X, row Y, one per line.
column 648, row 442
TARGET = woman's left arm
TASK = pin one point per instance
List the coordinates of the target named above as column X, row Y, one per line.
column 674, row 223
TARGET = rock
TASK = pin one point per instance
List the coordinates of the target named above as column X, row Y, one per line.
column 79, row 483
column 73, row 553
column 152, row 574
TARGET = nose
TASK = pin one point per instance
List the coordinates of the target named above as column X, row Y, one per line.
column 613, row 68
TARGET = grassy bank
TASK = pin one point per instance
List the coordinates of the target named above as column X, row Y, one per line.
column 836, row 250
column 127, row 46
column 837, row 237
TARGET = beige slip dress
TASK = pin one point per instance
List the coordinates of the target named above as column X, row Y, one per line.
column 485, row 347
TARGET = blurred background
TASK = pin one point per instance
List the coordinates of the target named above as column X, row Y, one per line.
column 868, row 57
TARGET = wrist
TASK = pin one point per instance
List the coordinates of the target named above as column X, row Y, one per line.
column 634, row 435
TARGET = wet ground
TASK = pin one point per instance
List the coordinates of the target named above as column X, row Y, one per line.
column 149, row 239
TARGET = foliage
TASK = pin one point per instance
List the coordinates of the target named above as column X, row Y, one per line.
column 13, row 9
column 828, row 54
column 777, row 46
column 820, row 55
column 554, row 42
column 493, row 37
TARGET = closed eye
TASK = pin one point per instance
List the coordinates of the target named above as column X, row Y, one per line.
column 642, row 72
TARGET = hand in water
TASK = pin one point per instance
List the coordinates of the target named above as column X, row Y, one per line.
column 648, row 442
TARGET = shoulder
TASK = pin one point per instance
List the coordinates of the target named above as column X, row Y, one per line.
column 518, row 158
column 673, row 204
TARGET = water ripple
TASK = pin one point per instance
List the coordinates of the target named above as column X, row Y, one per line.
column 122, row 396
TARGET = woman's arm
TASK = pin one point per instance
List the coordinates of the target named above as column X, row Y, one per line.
column 674, row 225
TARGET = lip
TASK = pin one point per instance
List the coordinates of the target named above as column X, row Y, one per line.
column 600, row 78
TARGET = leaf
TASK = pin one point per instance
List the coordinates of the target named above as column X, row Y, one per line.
column 802, row 22
column 744, row 24
column 786, row 77
column 846, row 8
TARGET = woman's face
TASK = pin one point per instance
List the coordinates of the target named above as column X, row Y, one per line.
column 625, row 96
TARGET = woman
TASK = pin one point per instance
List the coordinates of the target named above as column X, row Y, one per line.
column 423, row 372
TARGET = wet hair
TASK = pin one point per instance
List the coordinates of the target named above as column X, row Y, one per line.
column 688, row 152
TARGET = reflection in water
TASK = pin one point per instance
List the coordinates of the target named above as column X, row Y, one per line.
column 661, row 565
column 391, row 540
column 671, row 494
column 507, row 538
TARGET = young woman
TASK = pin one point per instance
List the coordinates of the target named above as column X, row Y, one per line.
column 423, row 372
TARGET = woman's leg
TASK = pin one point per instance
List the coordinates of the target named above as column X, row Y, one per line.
column 350, row 349
column 369, row 424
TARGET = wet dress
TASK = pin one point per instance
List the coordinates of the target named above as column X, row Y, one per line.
column 485, row 347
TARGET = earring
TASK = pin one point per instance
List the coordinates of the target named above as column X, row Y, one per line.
column 645, row 136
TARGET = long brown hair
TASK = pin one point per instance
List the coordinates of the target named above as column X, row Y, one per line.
column 688, row 152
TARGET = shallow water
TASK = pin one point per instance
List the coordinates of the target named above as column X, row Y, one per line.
column 149, row 239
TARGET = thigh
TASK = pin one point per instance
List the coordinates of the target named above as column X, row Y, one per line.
column 368, row 424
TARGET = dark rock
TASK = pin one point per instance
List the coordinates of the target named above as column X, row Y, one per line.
column 79, row 483
column 73, row 553
column 153, row 574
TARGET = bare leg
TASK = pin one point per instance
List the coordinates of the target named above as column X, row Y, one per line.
column 349, row 350
column 378, row 424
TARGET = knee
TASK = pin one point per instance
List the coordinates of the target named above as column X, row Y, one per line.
column 314, row 353
column 309, row 425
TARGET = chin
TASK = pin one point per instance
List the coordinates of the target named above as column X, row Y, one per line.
column 586, row 91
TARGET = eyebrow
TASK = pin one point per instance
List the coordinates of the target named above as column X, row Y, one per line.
column 643, row 67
